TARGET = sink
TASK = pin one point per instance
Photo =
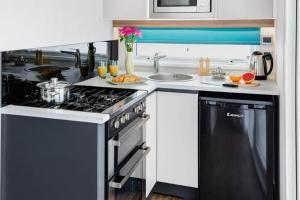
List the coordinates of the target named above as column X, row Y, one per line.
column 170, row 77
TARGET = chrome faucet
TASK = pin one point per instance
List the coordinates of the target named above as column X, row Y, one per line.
column 156, row 59
column 77, row 57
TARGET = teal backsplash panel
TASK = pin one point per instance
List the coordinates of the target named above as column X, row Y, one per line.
column 240, row 36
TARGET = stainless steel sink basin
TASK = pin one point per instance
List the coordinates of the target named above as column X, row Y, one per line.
column 171, row 77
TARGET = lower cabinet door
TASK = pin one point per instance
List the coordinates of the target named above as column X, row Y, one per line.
column 151, row 142
column 177, row 138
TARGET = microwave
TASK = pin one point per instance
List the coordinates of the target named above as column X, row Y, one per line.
column 182, row 8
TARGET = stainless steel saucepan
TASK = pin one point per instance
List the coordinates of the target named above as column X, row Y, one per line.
column 55, row 91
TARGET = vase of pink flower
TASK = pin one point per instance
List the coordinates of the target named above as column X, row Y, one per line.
column 129, row 35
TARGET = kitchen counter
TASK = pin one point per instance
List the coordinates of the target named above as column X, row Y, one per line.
column 268, row 87
column 96, row 118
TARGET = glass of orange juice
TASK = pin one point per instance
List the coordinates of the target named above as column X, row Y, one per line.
column 114, row 68
column 102, row 69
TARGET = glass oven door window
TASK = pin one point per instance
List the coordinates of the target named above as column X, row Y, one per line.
column 176, row 3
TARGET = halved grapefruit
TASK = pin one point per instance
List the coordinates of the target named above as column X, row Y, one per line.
column 248, row 77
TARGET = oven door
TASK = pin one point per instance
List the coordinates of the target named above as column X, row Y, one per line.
column 129, row 183
column 175, row 6
column 126, row 162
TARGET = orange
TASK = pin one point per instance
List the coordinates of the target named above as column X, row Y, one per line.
column 235, row 78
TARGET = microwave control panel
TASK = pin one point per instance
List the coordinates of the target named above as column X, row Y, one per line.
column 204, row 6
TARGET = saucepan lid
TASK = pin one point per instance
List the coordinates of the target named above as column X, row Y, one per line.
column 53, row 84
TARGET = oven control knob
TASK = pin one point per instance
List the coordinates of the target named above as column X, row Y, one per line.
column 123, row 119
column 117, row 124
column 144, row 105
column 127, row 117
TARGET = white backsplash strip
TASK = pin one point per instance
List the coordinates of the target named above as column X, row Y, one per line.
column 226, row 64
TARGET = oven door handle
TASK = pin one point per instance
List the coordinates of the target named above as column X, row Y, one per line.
column 130, row 167
column 130, row 129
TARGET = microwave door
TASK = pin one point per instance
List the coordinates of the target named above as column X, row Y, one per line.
column 175, row 6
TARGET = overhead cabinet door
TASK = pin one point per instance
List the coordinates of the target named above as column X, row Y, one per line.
column 32, row 23
column 125, row 9
column 244, row 9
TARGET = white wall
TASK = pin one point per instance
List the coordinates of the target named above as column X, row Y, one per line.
column 41, row 23
column 285, row 59
column 297, row 100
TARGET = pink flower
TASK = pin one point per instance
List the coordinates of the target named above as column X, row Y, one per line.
column 139, row 33
column 128, row 31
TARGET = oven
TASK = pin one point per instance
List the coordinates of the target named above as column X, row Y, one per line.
column 126, row 156
column 189, row 8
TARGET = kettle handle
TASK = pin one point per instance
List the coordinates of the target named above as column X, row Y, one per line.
column 268, row 55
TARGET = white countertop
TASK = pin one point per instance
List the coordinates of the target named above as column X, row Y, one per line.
column 266, row 88
column 96, row 118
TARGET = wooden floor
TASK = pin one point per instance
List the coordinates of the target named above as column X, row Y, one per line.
column 163, row 197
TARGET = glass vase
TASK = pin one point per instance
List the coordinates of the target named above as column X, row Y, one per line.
column 129, row 62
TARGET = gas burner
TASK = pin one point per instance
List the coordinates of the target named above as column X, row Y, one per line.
column 82, row 98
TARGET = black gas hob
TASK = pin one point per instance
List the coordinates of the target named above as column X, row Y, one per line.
column 82, row 98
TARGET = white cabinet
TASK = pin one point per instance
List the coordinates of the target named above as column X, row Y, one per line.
column 230, row 9
column 125, row 9
column 177, row 138
column 244, row 9
column 32, row 23
column 151, row 142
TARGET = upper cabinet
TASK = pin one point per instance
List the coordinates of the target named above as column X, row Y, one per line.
column 196, row 9
column 125, row 9
column 32, row 23
column 244, row 9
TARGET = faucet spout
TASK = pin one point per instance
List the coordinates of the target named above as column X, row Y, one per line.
column 156, row 60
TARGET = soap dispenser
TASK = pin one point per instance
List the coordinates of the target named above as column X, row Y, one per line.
column 207, row 66
column 201, row 67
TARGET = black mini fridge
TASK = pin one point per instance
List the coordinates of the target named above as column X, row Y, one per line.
column 238, row 149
